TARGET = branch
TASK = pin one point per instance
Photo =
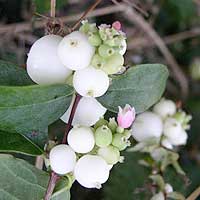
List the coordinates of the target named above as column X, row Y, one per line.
column 135, row 18
column 90, row 9
column 71, row 117
column 55, row 177
column 53, row 8
column 27, row 26
column 145, row 42
column 195, row 194
column 51, row 185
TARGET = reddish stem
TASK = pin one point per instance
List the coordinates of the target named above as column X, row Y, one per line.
column 71, row 117
column 55, row 177
column 51, row 185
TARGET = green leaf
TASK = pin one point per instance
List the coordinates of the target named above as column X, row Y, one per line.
column 175, row 195
column 22, row 181
column 11, row 74
column 62, row 194
column 141, row 86
column 126, row 180
column 30, row 109
column 17, row 143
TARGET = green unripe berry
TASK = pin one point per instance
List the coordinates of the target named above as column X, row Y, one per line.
column 94, row 39
column 103, row 136
column 127, row 133
column 106, row 51
column 120, row 129
column 120, row 141
column 97, row 61
column 87, row 27
column 113, row 64
column 110, row 154
column 101, row 122
column 112, row 124
column 102, row 34
column 110, row 42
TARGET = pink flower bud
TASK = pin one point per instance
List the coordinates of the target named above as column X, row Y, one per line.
column 117, row 25
column 126, row 116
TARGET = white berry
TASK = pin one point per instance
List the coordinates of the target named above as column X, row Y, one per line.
column 174, row 132
column 81, row 139
column 62, row 159
column 123, row 47
column 158, row 196
column 147, row 125
column 168, row 188
column 75, row 51
column 91, row 82
column 166, row 143
column 43, row 64
column 88, row 112
column 165, row 108
column 91, row 171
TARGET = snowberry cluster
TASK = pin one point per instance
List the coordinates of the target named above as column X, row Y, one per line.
column 92, row 151
column 164, row 122
column 88, row 57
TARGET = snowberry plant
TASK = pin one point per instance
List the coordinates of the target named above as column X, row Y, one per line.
column 159, row 133
column 83, row 80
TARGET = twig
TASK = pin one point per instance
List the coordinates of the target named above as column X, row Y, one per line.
column 90, row 9
column 71, row 117
column 26, row 26
column 39, row 162
column 134, row 5
column 54, row 177
column 51, row 185
column 145, row 42
column 195, row 194
column 135, row 18
column 53, row 8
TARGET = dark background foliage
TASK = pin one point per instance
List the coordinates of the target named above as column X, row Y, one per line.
column 167, row 17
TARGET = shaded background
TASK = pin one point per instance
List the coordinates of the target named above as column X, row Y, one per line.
column 166, row 31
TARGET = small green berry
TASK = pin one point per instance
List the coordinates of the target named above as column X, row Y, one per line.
column 112, row 124
column 97, row 61
column 103, row 136
column 113, row 64
column 120, row 129
column 94, row 39
column 106, row 51
column 127, row 133
column 120, row 141
column 101, row 122
column 110, row 154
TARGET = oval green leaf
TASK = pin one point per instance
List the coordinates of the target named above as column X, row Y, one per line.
column 140, row 86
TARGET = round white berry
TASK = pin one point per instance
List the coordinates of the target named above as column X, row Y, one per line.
column 147, row 125
column 158, row 196
column 81, row 139
column 110, row 154
column 91, row 82
column 174, row 132
column 166, row 143
column 168, row 188
column 88, row 112
column 91, row 171
column 75, row 51
column 62, row 159
column 123, row 47
column 165, row 108
column 43, row 64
